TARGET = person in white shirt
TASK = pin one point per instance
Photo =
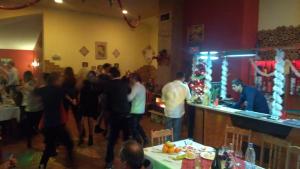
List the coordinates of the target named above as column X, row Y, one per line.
column 12, row 76
column 137, row 97
column 33, row 106
column 174, row 95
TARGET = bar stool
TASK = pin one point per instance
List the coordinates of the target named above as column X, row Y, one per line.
column 277, row 149
column 161, row 136
column 293, row 150
column 236, row 136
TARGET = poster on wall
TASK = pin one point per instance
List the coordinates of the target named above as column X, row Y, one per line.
column 195, row 34
column 100, row 50
column 5, row 61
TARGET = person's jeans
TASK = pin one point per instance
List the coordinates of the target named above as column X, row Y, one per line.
column 136, row 129
column 116, row 124
column 174, row 123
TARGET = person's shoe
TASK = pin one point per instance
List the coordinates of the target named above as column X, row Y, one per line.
column 80, row 141
column 108, row 166
column 91, row 141
column 42, row 166
column 53, row 153
column 29, row 144
column 98, row 129
column 146, row 142
column 104, row 133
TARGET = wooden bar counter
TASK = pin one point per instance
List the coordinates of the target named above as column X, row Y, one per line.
column 210, row 123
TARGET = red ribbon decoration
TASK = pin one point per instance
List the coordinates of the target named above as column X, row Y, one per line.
column 130, row 24
column 21, row 6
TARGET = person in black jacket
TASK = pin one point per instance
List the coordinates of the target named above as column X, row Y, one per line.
column 118, row 107
column 53, row 119
column 89, row 99
column 103, row 79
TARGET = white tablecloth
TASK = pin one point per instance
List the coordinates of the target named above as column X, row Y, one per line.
column 9, row 112
column 161, row 160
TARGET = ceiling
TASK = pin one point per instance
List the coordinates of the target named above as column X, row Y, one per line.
column 144, row 8
column 20, row 33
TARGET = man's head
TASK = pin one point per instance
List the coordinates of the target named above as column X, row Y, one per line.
column 106, row 67
column 54, row 79
column 114, row 72
column 180, row 76
column 134, row 77
column 237, row 85
column 132, row 155
column 10, row 64
column 91, row 76
column 27, row 76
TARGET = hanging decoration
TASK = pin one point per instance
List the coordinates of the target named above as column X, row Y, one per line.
column 293, row 68
column 257, row 70
column 278, row 84
column 224, row 79
column 17, row 4
column 131, row 23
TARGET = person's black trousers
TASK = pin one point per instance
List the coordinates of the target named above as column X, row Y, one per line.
column 52, row 136
column 32, row 122
column 116, row 125
column 136, row 128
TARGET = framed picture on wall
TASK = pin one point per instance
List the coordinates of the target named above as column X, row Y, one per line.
column 5, row 61
column 195, row 34
column 100, row 50
column 85, row 64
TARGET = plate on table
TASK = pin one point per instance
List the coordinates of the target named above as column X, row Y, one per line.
column 208, row 155
column 190, row 156
column 207, row 149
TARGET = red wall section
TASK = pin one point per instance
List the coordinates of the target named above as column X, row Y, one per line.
column 228, row 25
column 22, row 59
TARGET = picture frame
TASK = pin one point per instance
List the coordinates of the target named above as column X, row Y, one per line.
column 195, row 34
column 5, row 60
column 100, row 50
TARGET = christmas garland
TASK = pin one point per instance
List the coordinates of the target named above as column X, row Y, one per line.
column 224, row 79
column 278, row 84
column 130, row 23
column 19, row 6
column 208, row 77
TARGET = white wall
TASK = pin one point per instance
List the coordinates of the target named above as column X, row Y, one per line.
column 274, row 13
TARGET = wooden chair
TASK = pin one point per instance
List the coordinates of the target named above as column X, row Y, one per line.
column 277, row 150
column 236, row 136
column 291, row 164
column 161, row 136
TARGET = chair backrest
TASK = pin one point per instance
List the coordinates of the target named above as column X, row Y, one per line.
column 161, row 136
column 277, row 150
column 293, row 151
column 236, row 136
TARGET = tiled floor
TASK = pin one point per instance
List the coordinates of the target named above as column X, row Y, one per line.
column 86, row 157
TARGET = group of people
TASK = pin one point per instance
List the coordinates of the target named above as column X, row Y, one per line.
column 102, row 96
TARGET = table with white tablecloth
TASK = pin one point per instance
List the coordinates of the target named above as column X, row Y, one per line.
column 9, row 112
column 161, row 160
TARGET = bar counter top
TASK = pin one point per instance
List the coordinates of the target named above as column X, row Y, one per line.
column 236, row 112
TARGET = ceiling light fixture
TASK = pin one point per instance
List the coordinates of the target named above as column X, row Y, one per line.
column 124, row 11
column 59, row 1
